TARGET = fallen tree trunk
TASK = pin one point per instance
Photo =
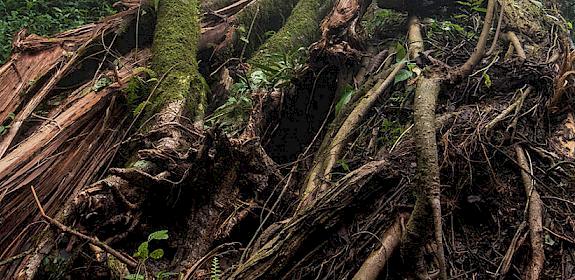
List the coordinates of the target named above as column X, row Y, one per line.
column 180, row 90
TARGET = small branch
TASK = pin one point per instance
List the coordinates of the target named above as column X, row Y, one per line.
column 13, row 258
column 497, row 31
column 477, row 55
column 515, row 244
column 508, row 110
column 127, row 260
column 516, row 44
column 47, row 119
column 374, row 264
column 535, row 219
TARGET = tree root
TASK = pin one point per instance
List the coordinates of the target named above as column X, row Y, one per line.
column 427, row 166
column 511, row 37
column 320, row 172
column 515, row 106
column 534, row 217
column 325, row 212
column 374, row 264
column 127, row 260
column 516, row 242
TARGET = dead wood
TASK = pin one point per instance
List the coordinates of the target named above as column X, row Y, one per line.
column 125, row 259
column 341, row 40
column 375, row 263
column 281, row 245
column 534, row 217
column 69, row 151
column 24, row 71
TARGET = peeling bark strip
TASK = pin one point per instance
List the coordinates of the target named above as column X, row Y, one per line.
column 60, row 157
column 63, row 55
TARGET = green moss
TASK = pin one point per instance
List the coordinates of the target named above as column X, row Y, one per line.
column 300, row 30
column 175, row 47
column 271, row 15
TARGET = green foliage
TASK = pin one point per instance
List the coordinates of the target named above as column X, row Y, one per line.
column 344, row 165
column 449, row 29
column 471, row 6
column 54, row 267
column 102, row 83
column 281, row 69
column 6, row 124
column 46, row 17
column 143, row 254
column 138, row 88
column 215, row 271
column 390, row 131
column 233, row 114
column 346, row 95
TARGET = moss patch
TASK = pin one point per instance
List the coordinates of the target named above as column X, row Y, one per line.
column 271, row 15
column 300, row 30
column 175, row 47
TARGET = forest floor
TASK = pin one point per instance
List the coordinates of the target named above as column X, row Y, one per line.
column 349, row 140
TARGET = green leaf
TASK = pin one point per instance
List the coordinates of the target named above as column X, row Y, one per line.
column 344, row 165
column 401, row 52
column 143, row 251
column 163, row 275
column 158, row 235
column 257, row 79
column 487, row 80
column 403, row 75
column 102, row 83
column 157, row 254
column 2, row 130
column 140, row 108
column 549, row 240
column 134, row 277
column 11, row 116
column 348, row 91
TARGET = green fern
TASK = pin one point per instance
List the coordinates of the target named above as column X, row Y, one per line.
column 215, row 272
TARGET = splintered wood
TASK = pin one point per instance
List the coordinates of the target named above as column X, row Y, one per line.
column 73, row 141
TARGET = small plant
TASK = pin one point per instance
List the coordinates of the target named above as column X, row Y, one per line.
column 472, row 6
column 6, row 124
column 143, row 254
column 46, row 17
column 233, row 114
column 215, row 271
column 391, row 130
column 347, row 93
column 138, row 87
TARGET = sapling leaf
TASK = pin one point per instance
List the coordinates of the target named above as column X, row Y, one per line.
column 157, row 254
column 158, row 235
column 344, row 99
